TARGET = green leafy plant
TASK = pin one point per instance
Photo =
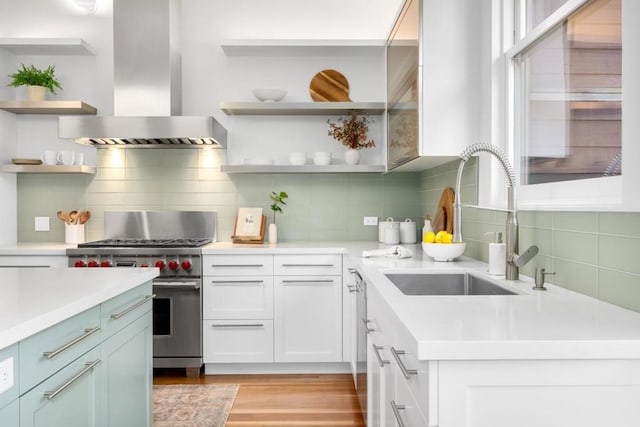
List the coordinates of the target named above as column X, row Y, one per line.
column 278, row 200
column 352, row 132
column 32, row 76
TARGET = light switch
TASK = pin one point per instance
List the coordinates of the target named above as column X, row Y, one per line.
column 42, row 223
column 370, row 220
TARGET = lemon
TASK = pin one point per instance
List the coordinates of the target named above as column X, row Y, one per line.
column 429, row 237
column 447, row 238
column 439, row 236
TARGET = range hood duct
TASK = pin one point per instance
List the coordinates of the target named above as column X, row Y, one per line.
column 147, row 80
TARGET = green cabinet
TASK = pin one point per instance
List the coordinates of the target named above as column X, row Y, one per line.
column 70, row 397
column 10, row 414
column 127, row 375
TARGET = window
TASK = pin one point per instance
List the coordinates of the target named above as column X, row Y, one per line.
column 569, row 90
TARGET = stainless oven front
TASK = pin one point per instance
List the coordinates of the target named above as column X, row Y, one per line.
column 177, row 323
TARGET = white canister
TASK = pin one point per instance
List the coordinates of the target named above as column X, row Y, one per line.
column 73, row 233
column 408, row 231
column 392, row 234
column 383, row 225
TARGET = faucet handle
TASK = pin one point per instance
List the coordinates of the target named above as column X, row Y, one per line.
column 522, row 259
column 539, row 280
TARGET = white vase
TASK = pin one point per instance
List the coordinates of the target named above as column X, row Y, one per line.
column 352, row 157
column 36, row 93
column 273, row 233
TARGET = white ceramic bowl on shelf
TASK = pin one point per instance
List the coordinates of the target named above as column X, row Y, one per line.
column 269, row 95
column 298, row 158
column 444, row 251
column 321, row 158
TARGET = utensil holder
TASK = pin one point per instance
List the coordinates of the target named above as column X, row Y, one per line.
column 74, row 233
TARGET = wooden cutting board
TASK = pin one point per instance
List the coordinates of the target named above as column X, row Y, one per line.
column 329, row 86
column 443, row 218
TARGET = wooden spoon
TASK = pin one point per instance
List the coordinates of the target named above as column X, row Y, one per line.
column 63, row 216
column 84, row 217
column 73, row 216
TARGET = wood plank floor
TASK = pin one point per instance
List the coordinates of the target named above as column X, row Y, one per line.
column 283, row 400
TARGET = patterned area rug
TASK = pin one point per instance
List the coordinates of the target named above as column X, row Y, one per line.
column 192, row 405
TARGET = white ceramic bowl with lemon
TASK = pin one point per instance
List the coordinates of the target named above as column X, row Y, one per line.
column 440, row 246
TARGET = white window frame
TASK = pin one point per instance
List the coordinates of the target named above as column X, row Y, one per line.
column 617, row 193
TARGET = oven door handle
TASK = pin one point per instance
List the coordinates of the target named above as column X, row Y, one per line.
column 178, row 285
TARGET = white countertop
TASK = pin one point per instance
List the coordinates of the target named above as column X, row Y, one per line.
column 34, row 249
column 33, row 299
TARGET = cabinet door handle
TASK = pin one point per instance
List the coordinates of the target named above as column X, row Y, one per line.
column 396, row 412
column 307, row 265
column 236, row 265
column 307, row 281
column 381, row 361
column 57, row 351
column 351, row 270
column 237, row 282
column 366, row 325
column 116, row 316
column 237, row 325
column 88, row 366
column 406, row 372
column 352, row 288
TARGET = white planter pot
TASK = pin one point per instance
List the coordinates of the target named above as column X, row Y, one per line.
column 352, row 157
column 37, row 93
column 273, row 233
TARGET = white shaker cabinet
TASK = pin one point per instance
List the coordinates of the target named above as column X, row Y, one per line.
column 308, row 308
column 238, row 309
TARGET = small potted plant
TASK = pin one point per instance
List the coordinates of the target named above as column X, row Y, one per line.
column 352, row 133
column 278, row 200
column 36, row 80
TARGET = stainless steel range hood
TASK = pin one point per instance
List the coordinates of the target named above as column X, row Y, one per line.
column 147, row 92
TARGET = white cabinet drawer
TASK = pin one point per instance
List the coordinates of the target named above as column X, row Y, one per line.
column 232, row 265
column 403, row 407
column 417, row 379
column 238, row 341
column 235, row 297
column 314, row 264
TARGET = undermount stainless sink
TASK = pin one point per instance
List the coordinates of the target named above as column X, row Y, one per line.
column 446, row 284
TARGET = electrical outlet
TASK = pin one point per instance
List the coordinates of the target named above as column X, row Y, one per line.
column 41, row 223
column 6, row 374
column 370, row 220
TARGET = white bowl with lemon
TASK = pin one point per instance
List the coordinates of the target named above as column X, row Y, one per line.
column 440, row 246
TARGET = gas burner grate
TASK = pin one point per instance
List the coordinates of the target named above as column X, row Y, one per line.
column 147, row 243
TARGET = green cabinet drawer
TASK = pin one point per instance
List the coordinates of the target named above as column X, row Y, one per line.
column 8, row 359
column 48, row 351
column 120, row 311
column 71, row 397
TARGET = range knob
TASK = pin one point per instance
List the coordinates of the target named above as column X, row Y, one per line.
column 173, row 265
column 93, row 263
column 79, row 263
column 186, row 265
column 160, row 264
column 105, row 263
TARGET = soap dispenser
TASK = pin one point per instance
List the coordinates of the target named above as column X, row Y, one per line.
column 497, row 255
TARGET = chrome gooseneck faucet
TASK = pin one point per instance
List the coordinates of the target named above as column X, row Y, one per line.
column 513, row 260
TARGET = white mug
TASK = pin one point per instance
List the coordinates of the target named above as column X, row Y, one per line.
column 49, row 157
column 78, row 159
column 65, row 157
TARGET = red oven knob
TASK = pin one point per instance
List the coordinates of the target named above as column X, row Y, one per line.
column 105, row 264
column 93, row 263
column 160, row 264
column 186, row 265
column 173, row 265
column 79, row 263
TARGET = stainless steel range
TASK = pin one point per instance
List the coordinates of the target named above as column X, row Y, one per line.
column 170, row 241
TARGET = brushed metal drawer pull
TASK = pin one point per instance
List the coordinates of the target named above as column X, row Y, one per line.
column 88, row 366
column 116, row 316
column 366, row 325
column 236, row 265
column 237, row 325
column 352, row 288
column 307, row 281
column 351, row 270
column 57, row 351
column 307, row 265
column 396, row 412
column 236, row 282
column 406, row 372
column 381, row 361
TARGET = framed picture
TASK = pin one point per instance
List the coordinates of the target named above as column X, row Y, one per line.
column 250, row 225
